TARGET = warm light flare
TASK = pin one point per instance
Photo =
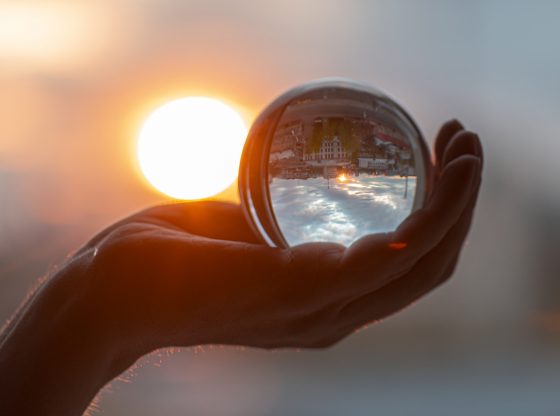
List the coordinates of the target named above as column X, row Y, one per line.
column 190, row 148
column 50, row 32
column 342, row 178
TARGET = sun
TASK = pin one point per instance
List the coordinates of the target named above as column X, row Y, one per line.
column 190, row 148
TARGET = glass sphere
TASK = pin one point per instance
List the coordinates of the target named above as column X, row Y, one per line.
column 332, row 160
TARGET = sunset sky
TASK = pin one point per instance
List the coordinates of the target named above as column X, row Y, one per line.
column 78, row 78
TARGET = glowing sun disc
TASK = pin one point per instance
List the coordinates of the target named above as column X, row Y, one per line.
column 190, row 148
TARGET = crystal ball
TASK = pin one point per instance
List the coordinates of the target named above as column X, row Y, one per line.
column 332, row 161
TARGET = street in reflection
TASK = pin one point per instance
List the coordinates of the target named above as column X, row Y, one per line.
column 340, row 166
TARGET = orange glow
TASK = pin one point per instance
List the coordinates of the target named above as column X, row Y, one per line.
column 549, row 321
column 53, row 34
column 398, row 245
column 190, row 148
column 342, row 178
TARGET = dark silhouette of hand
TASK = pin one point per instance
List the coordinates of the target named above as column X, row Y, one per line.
column 194, row 273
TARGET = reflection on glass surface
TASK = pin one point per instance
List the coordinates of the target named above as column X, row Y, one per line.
column 342, row 165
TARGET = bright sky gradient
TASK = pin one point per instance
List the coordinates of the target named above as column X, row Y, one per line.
column 78, row 78
column 190, row 148
column 73, row 99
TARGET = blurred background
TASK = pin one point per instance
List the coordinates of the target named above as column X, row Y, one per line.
column 77, row 78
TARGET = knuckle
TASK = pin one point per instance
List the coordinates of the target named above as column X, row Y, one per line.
column 120, row 248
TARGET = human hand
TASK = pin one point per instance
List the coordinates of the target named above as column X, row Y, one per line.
column 194, row 273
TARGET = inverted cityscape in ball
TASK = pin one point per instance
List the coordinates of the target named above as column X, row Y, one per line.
column 332, row 161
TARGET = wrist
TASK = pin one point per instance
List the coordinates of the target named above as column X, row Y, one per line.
column 85, row 319
column 54, row 352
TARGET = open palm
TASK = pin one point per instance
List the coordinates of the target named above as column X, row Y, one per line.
column 195, row 273
column 189, row 274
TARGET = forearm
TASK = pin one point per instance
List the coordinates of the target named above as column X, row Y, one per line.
column 52, row 361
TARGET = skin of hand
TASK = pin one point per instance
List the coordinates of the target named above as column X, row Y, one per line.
column 194, row 273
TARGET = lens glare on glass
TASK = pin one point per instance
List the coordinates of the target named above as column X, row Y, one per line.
column 340, row 160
